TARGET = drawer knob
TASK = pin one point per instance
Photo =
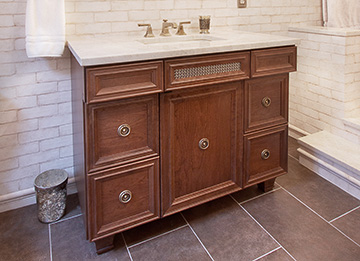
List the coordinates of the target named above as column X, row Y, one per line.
column 266, row 101
column 124, row 130
column 204, row 143
column 265, row 154
column 125, row 196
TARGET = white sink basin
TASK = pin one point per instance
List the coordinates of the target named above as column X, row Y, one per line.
column 180, row 39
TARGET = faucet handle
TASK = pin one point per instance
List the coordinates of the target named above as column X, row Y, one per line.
column 149, row 32
column 180, row 30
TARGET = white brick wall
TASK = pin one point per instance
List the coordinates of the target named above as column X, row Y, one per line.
column 326, row 88
column 35, row 109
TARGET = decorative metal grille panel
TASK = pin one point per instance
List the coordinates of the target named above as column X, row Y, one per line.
column 206, row 70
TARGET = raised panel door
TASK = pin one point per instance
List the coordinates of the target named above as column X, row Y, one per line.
column 201, row 145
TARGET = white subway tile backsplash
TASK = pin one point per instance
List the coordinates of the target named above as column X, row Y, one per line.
column 19, row 127
column 92, row 6
column 10, row 7
column 17, row 80
column 111, row 17
column 57, row 142
column 20, row 173
column 98, row 28
column 18, row 103
column 19, row 150
column 40, row 157
column 7, row 69
column 60, row 163
column 55, row 120
column 54, row 98
column 36, row 66
column 7, row 20
column 75, row 18
column 37, row 112
column 9, row 164
column 65, row 129
column 38, row 135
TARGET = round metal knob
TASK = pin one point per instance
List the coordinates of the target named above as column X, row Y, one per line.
column 125, row 196
column 124, row 130
column 265, row 154
column 204, row 143
column 266, row 101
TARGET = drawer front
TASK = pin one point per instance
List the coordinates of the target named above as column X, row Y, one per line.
column 265, row 155
column 273, row 61
column 266, row 102
column 121, row 131
column 123, row 197
column 206, row 69
column 126, row 80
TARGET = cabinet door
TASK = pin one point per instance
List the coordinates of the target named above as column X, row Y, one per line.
column 123, row 197
column 201, row 145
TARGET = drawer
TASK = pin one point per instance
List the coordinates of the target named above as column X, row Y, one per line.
column 266, row 102
column 122, row 131
column 207, row 69
column 273, row 61
column 265, row 155
column 126, row 80
column 123, row 197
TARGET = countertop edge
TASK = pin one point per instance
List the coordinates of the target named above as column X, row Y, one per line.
column 111, row 58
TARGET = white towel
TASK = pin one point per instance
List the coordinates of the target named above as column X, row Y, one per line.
column 45, row 28
column 343, row 13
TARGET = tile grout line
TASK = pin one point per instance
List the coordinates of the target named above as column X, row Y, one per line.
column 197, row 236
column 268, row 253
column 65, row 219
column 50, row 244
column 127, row 248
column 344, row 214
column 321, row 217
column 263, row 228
column 258, row 196
column 157, row 236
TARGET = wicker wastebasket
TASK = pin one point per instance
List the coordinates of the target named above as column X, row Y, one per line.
column 50, row 187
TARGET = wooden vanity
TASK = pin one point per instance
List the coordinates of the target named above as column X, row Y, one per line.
column 155, row 137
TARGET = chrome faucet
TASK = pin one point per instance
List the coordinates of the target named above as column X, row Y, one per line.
column 165, row 27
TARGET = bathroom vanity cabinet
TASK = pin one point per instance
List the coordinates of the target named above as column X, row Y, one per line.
column 152, row 138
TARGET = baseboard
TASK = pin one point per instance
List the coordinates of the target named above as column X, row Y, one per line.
column 332, row 174
column 27, row 197
column 296, row 133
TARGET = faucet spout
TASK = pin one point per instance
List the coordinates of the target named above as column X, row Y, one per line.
column 165, row 27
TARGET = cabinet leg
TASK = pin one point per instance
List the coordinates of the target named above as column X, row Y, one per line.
column 267, row 185
column 105, row 244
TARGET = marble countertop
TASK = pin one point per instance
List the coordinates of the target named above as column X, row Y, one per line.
column 109, row 50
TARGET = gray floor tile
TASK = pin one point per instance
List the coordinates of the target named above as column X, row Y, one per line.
column 69, row 243
column 228, row 232
column 320, row 195
column 23, row 236
column 152, row 229
column 278, row 255
column 249, row 193
column 301, row 232
column 350, row 225
column 180, row 244
column 72, row 206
